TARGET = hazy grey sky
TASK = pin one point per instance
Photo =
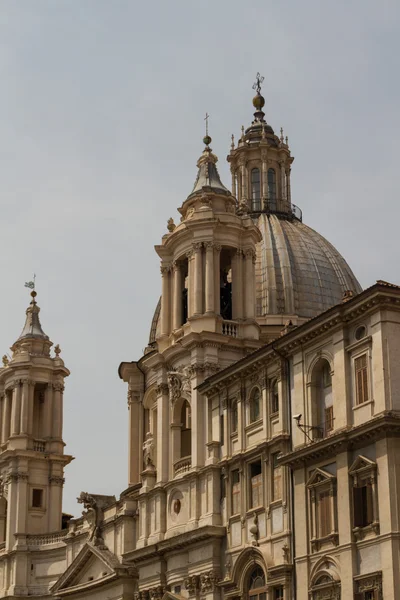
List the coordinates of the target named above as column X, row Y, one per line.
column 101, row 122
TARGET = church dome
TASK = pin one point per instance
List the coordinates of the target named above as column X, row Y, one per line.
column 298, row 272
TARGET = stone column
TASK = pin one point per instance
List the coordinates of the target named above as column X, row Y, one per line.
column 25, row 407
column 264, row 179
column 58, row 410
column 190, row 287
column 233, row 181
column 210, row 279
column 11, row 510
column 198, row 278
column 283, row 180
column 165, row 300
column 22, row 502
column 16, row 409
column 217, row 278
column 249, row 284
column 288, row 192
column 163, row 423
column 177, row 295
column 237, row 285
column 56, row 483
column 48, row 412
column 31, row 400
column 135, row 456
column 5, row 432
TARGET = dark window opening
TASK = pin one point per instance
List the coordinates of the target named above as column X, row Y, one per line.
column 186, row 430
column 272, row 189
column 37, row 498
column 255, row 190
column 363, row 505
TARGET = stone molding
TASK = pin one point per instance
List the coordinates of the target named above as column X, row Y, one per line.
column 209, row 581
column 56, row 480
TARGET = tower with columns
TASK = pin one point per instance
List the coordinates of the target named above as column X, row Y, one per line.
column 32, row 458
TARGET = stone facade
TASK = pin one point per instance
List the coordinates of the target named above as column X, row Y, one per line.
column 262, row 444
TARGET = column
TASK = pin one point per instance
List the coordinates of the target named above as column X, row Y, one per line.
column 11, row 510
column 210, row 279
column 25, row 407
column 163, row 423
column 249, row 281
column 289, row 192
column 22, row 502
column 16, row 409
column 177, row 295
column 56, row 482
column 283, row 180
column 198, row 278
column 47, row 432
column 58, row 410
column 5, row 433
column 233, row 181
column 31, row 404
column 217, row 278
column 165, row 301
column 264, row 179
column 135, row 457
column 190, row 287
column 237, row 285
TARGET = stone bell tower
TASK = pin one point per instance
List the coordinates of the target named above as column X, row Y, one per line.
column 32, row 456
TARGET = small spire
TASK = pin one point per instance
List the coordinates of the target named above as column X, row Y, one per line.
column 232, row 141
column 32, row 327
column 281, row 135
column 207, row 139
column 242, row 133
column 287, row 141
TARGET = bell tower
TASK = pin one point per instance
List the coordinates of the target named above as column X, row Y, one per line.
column 32, row 458
column 260, row 166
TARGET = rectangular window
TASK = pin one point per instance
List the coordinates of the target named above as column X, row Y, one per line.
column 278, row 593
column 328, row 419
column 361, row 374
column 276, row 478
column 256, row 484
column 37, row 498
column 363, row 505
column 274, row 398
column 324, row 514
column 236, row 492
column 222, row 429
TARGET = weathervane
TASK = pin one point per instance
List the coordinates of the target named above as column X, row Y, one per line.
column 31, row 284
column 257, row 84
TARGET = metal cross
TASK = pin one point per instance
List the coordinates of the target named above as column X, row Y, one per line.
column 257, row 85
column 206, row 120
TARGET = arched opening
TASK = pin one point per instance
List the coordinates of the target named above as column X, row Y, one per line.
column 186, row 430
column 272, row 189
column 150, row 431
column 322, row 400
column 255, row 406
column 255, row 190
column 226, row 284
column 257, row 589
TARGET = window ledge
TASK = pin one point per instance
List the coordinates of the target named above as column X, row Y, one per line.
column 275, row 504
column 361, row 532
column 257, row 425
column 357, row 406
column 234, row 435
column 274, row 415
column 257, row 509
column 316, row 543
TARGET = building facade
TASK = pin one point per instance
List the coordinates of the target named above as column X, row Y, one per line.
column 262, row 418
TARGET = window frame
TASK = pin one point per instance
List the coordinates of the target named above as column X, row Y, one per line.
column 255, row 200
column 259, row 487
column 362, row 473
column 274, row 398
column 366, row 383
column 251, row 420
column 322, row 482
column 236, row 493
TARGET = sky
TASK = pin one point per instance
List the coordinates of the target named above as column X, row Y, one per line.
column 101, row 124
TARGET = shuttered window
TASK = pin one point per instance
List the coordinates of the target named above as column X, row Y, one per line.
column 361, row 374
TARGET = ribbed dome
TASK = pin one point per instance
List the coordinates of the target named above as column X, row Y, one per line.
column 298, row 272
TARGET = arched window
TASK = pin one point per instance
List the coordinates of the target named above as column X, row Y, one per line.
column 234, row 416
column 322, row 399
column 255, row 190
column 272, row 189
column 186, row 430
column 255, row 406
column 257, row 589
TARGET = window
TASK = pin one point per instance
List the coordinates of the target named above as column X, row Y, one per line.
column 365, row 508
column 362, row 505
column 234, row 416
column 272, row 189
column 274, row 398
column 324, row 513
column 255, row 412
column 278, row 593
column 222, row 430
column 186, row 430
column 322, row 399
column 236, row 504
column 257, row 589
column 328, row 419
column 255, row 190
column 256, row 484
column 276, row 478
column 37, row 498
column 326, row 375
column 361, row 374
column 360, row 332
column 368, row 587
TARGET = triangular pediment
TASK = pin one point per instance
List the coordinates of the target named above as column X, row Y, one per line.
column 362, row 463
column 92, row 566
column 320, row 476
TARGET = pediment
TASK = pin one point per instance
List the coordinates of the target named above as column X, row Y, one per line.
column 362, row 464
column 92, row 566
column 171, row 596
column 319, row 476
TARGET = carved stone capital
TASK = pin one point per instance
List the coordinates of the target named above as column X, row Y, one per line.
column 192, row 584
column 58, row 386
column 56, row 480
column 165, row 269
column 162, row 389
column 17, row 476
column 208, row 581
column 197, row 246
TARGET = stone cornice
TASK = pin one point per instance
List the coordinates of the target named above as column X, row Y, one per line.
column 386, row 424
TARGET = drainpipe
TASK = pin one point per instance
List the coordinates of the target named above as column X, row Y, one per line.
column 291, row 490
